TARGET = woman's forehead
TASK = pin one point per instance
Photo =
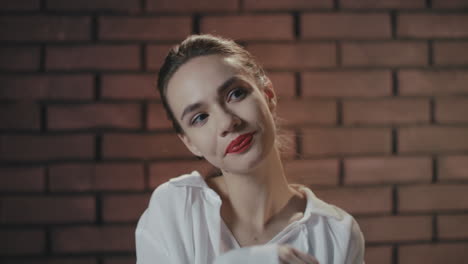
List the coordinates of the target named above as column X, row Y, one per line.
column 208, row 68
column 201, row 75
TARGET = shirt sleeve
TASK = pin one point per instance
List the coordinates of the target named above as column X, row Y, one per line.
column 157, row 238
column 356, row 245
column 250, row 255
column 148, row 250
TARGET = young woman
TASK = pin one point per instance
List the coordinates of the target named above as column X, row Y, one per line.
column 222, row 106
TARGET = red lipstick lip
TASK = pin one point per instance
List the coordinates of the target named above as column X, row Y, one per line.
column 237, row 142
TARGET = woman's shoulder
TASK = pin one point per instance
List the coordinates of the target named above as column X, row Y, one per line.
column 339, row 221
column 171, row 199
column 335, row 216
column 174, row 190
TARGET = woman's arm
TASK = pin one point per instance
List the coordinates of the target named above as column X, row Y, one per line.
column 149, row 250
column 356, row 245
column 158, row 237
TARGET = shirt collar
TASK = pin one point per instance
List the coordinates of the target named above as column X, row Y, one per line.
column 314, row 204
column 317, row 206
column 193, row 179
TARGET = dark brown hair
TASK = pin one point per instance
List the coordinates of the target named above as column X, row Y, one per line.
column 201, row 45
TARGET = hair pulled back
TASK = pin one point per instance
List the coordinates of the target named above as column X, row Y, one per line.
column 201, row 45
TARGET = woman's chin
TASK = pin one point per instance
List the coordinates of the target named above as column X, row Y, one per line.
column 249, row 162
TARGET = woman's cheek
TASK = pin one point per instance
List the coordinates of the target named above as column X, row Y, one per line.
column 206, row 140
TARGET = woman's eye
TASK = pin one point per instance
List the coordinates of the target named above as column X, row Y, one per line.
column 237, row 93
column 198, row 118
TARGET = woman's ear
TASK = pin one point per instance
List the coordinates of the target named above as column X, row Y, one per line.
column 189, row 145
column 270, row 95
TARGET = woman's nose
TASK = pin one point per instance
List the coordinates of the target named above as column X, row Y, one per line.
column 228, row 122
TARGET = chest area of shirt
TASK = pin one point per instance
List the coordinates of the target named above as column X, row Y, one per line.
column 246, row 237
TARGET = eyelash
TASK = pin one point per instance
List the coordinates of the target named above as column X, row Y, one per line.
column 242, row 96
column 244, row 91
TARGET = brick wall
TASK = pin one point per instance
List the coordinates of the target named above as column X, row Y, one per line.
column 373, row 93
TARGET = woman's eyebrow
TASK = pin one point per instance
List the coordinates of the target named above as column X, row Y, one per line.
column 220, row 90
column 228, row 84
column 190, row 108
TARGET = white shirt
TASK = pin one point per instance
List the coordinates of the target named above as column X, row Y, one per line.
column 183, row 224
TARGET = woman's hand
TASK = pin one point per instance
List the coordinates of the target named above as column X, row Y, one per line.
column 290, row 255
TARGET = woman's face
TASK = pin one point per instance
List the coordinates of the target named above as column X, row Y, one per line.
column 215, row 102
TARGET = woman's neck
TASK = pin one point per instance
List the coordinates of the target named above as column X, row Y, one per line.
column 254, row 199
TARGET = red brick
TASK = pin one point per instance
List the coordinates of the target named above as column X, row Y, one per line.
column 46, row 147
column 380, row 254
column 48, row 209
column 119, row 260
column 345, row 26
column 124, row 208
column 39, row 87
column 453, row 168
column 23, row 116
column 414, row 82
column 143, row 146
column 287, row 4
column 54, row 260
column 401, row 53
column 10, row 5
column 161, row 172
column 19, row 58
column 449, row 4
column 305, row 111
column 156, row 55
column 186, row 6
column 93, row 239
column 430, row 198
column 93, row 57
column 99, row 115
column 45, row 28
column 382, row 4
column 286, row 143
column 386, row 111
column 396, row 228
column 129, row 86
column 452, row 226
column 386, row 170
column 22, row 179
column 312, row 172
column 20, row 242
column 144, row 28
column 359, row 200
column 294, row 56
column 346, row 141
column 347, row 84
column 432, row 25
column 432, row 139
column 96, row 177
column 453, row 253
column 450, row 53
column 240, row 27
column 284, row 84
column 156, row 117
column 92, row 5
column 451, row 110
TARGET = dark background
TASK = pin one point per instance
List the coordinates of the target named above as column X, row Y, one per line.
column 374, row 95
